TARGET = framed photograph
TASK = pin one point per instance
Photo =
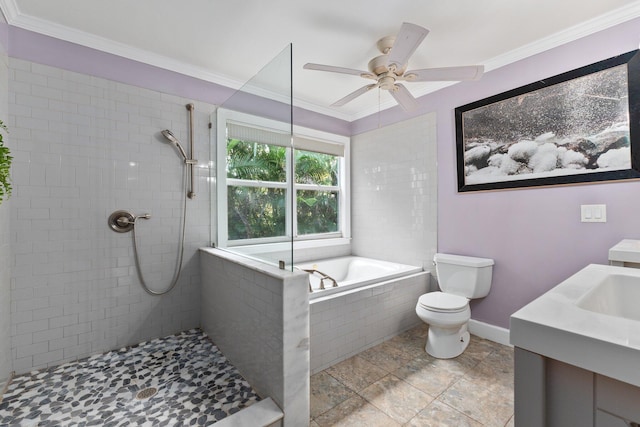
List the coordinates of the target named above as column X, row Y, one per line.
column 577, row 127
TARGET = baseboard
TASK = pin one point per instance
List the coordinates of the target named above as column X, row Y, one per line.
column 489, row 332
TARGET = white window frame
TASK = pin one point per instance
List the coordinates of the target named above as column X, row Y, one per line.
column 302, row 136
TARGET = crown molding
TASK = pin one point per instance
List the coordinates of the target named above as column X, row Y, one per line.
column 16, row 18
column 51, row 29
column 602, row 22
column 10, row 10
column 47, row 28
column 592, row 26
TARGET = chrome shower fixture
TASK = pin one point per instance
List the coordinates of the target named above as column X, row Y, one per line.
column 189, row 161
column 172, row 138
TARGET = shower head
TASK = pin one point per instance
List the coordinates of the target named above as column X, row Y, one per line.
column 172, row 138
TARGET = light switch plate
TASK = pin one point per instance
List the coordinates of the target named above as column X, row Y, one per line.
column 593, row 213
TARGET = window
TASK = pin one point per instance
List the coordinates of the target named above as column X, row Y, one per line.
column 269, row 191
column 317, row 192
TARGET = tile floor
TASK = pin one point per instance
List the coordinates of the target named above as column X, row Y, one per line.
column 397, row 383
column 185, row 378
column 393, row 384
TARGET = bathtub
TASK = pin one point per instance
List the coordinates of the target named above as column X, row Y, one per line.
column 374, row 301
column 351, row 272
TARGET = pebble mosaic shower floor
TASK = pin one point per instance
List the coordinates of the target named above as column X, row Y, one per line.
column 178, row 380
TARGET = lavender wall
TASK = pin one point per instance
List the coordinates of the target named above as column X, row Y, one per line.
column 534, row 235
column 46, row 50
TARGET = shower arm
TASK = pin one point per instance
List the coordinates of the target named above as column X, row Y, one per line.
column 190, row 162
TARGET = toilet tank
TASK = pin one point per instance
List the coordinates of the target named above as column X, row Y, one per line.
column 464, row 275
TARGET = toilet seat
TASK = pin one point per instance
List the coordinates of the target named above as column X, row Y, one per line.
column 443, row 302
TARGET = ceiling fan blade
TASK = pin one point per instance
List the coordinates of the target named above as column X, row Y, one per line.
column 340, row 70
column 354, row 95
column 404, row 98
column 471, row 72
column 407, row 41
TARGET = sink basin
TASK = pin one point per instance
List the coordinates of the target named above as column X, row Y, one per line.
column 591, row 320
column 617, row 295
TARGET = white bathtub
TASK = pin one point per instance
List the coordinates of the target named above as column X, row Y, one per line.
column 374, row 301
column 352, row 272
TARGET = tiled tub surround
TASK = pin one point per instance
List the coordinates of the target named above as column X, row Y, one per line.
column 343, row 324
column 394, row 192
column 194, row 384
column 85, row 147
column 259, row 317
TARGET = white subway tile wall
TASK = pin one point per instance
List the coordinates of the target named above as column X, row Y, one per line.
column 394, row 192
column 85, row 147
column 5, row 237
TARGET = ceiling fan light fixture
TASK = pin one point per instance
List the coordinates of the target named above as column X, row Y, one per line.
column 387, row 83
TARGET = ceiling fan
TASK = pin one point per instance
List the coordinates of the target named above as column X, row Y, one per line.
column 390, row 68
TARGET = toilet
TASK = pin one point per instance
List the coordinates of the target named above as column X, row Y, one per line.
column 447, row 313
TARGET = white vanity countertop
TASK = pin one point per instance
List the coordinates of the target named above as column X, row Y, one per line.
column 626, row 250
column 554, row 326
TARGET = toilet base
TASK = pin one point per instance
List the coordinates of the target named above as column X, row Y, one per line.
column 447, row 343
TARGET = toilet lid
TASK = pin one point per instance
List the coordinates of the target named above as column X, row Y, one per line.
column 442, row 301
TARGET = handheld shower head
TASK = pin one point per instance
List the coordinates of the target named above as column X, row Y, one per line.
column 172, row 138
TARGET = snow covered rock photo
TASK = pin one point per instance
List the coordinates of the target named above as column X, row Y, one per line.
column 574, row 127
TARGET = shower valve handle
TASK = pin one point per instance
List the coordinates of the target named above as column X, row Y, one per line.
column 123, row 221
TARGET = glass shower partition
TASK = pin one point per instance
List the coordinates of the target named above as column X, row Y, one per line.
column 253, row 198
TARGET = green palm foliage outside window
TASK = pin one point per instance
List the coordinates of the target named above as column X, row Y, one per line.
column 5, row 167
column 256, row 194
column 317, row 209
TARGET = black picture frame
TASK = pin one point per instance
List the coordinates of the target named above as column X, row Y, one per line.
column 508, row 140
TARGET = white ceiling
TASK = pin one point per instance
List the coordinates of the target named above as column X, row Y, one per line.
column 228, row 42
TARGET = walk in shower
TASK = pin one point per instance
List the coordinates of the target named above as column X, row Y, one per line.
column 80, row 320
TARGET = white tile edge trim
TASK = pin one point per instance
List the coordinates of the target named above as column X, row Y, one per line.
column 263, row 413
column 489, row 332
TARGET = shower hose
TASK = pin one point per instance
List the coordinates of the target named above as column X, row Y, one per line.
column 178, row 270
